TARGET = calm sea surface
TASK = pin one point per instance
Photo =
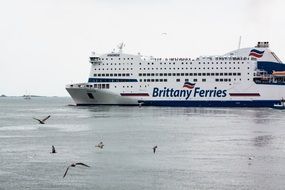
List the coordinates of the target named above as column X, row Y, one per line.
column 198, row 148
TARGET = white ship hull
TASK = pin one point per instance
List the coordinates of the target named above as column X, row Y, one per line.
column 250, row 97
column 101, row 97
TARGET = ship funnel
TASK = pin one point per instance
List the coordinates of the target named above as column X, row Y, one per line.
column 262, row 45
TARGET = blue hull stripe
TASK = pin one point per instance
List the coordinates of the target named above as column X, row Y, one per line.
column 230, row 103
column 254, row 103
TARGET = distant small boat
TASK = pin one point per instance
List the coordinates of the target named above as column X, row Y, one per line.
column 27, row 97
column 280, row 105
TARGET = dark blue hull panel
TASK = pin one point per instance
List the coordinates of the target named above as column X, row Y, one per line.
column 253, row 103
column 177, row 103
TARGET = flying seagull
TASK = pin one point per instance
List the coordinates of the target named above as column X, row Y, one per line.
column 100, row 145
column 42, row 121
column 73, row 165
column 154, row 149
column 53, row 151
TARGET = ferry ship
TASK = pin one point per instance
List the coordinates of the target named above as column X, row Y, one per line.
column 246, row 77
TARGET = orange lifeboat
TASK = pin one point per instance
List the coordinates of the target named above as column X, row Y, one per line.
column 278, row 73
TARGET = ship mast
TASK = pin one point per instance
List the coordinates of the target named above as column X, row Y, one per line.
column 120, row 47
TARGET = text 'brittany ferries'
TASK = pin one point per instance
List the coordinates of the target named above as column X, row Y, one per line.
column 195, row 92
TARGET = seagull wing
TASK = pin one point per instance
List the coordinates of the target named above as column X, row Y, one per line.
column 37, row 119
column 46, row 118
column 66, row 171
column 79, row 163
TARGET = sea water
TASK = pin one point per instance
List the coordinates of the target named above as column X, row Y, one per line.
column 198, row 148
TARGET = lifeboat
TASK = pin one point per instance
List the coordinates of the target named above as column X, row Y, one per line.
column 278, row 73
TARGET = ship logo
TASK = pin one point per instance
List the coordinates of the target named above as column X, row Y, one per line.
column 189, row 85
column 256, row 53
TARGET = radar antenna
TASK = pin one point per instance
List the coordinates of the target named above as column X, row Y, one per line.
column 120, row 46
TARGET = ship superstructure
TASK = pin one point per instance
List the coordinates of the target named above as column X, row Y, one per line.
column 247, row 77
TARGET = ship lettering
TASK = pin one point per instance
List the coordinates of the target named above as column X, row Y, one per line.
column 197, row 92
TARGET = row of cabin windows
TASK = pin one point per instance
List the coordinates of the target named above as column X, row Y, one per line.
column 118, row 58
column 112, row 74
column 186, row 80
column 128, row 58
column 127, row 86
column 186, row 68
column 186, row 63
column 195, row 80
column 103, row 80
column 189, row 74
column 153, row 63
column 204, row 80
column 224, row 80
column 114, row 63
column 101, row 86
column 207, row 58
column 112, row 69
column 182, row 63
column 153, row 80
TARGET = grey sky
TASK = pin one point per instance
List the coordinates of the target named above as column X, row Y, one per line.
column 45, row 44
